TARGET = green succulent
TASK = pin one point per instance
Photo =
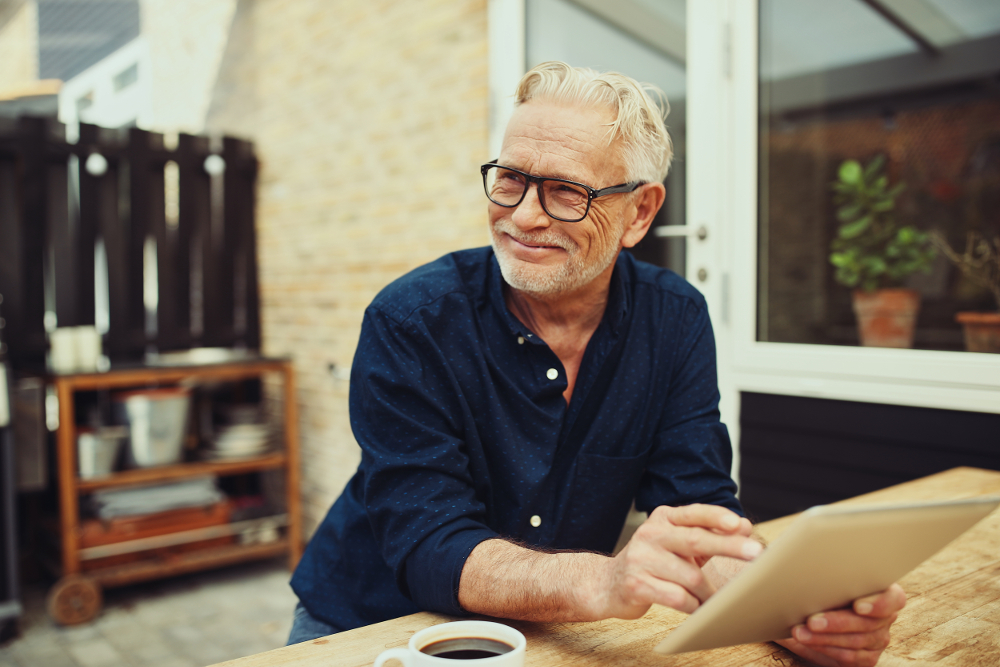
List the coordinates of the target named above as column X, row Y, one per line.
column 871, row 250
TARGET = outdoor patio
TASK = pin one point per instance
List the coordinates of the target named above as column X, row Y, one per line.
column 188, row 621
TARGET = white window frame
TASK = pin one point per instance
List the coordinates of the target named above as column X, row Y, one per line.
column 506, row 34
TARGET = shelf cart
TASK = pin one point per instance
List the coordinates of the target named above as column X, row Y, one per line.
column 77, row 595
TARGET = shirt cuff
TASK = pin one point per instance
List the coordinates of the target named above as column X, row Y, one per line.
column 434, row 569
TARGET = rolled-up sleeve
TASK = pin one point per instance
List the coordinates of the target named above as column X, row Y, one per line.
column 692, row 454
column 421, row 500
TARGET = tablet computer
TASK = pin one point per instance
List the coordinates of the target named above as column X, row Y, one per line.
column 830, row 556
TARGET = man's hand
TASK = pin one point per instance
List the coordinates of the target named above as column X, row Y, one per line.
column 662, row 562
column 843, row 637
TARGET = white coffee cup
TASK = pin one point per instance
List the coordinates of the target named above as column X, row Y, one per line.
column 460, row 636
column 62, row 350
column 88, row 348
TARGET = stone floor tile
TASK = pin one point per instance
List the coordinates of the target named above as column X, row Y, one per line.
column 175, row 662
column 188, row 621
column 183, row 634
column 207, row 652
column 127, row 642
column 158, row 615
column 151, row 651
column 39, row 638
column 61, row 659
column 109, row 624
column 77, row 633
column 52, row 653
column 233, row 652
column 95, row 653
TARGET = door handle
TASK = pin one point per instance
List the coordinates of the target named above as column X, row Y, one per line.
column 681, row 231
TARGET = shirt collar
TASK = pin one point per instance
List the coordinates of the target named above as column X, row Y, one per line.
column 614, row 314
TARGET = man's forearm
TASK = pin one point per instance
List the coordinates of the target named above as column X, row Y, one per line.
column 505, row 580
column 659, row 565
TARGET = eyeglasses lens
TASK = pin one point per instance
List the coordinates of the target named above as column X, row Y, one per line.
column 561, row 200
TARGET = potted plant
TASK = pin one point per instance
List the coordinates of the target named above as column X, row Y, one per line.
column 874, row 255
column 981, row 265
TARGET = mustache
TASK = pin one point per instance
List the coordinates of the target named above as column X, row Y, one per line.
column 546, row 237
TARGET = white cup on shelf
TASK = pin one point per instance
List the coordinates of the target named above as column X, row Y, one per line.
column 62, row 350
column 88, row 348
column 75, row 349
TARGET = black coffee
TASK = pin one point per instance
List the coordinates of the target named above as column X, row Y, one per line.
column 467, row 648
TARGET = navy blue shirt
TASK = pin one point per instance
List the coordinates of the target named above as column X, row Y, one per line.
column 465, row 434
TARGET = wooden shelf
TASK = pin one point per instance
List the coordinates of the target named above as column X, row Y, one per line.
column 183, row 563
column 71, row 486
column 143, row 476
column 147, row 375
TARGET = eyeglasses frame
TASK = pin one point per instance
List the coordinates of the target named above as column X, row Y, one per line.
column 592, row 193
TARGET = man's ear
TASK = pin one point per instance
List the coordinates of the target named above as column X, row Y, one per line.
column 647, row 201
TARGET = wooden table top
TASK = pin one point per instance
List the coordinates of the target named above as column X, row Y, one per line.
column 952, row 617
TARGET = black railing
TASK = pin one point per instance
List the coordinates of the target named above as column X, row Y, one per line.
column 125, row 192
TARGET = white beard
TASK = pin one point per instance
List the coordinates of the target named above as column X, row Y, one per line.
column 538, row 279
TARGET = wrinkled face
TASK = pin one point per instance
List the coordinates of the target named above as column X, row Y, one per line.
column 541, row 255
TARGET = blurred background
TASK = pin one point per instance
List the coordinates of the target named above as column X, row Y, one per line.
column 241, row 177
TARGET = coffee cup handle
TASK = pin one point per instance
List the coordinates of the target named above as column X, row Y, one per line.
column 401, row 654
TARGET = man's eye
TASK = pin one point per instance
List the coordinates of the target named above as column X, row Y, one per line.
column 566, row 191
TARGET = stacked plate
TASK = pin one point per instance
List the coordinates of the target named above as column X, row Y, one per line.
column 239, row 441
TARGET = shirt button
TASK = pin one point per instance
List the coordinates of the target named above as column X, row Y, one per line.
column 552, row 374
column 535, row 521
column 520, row 340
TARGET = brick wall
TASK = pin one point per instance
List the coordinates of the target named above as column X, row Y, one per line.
column 18, row 43
column 370, row 120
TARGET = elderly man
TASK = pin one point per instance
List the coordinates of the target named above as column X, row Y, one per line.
column 511, row 403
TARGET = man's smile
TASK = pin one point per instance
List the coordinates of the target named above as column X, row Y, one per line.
column 533, row 244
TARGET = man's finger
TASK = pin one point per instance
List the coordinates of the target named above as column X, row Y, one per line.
column 644, row 561
column 651, row 562
column 886, row 603
column 698, row 542
column 672, row 595
column 711, row 517
column 875, row 640
column 845, row 620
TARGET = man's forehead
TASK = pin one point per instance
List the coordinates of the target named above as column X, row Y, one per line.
column 561, row 140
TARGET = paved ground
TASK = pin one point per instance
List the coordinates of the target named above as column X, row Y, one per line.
column 189, row 621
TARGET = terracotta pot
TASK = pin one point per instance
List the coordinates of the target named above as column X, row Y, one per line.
column 982, row 331
column 886, row 317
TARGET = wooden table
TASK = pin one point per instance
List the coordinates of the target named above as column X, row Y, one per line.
column 952, row 618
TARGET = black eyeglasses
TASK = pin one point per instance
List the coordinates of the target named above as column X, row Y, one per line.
column 566, row 201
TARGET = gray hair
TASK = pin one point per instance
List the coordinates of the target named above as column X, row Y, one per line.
column 639, row 110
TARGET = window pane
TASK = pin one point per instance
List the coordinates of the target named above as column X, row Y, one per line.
column 911, row 84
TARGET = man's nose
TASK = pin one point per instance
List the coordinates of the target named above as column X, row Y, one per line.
column 529, row 214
